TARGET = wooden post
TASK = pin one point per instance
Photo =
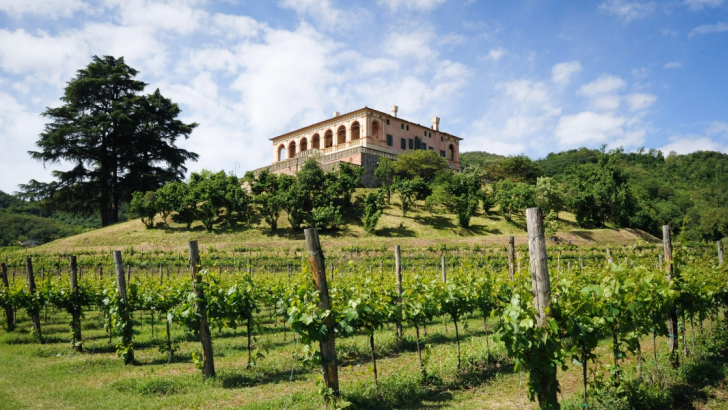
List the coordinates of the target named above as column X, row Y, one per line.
column 540, row 280
column 35, row 316
column 76, row 314
column 581, row 260
column 720, row 252
column 208, row 367
column 672, row 325
column 398, row 274
column 609, row 256
column 444, row 274
column 541, row 284
column 128, row 280
column 511, row 257
column 327, row 346
column 9, row 314
column 121, row 286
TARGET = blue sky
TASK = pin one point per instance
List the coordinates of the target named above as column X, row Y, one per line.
column 509, row 77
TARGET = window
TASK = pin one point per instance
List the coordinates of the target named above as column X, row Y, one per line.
column 387, row 121
column 408, row 128
column 430, row 134
column 424, row 146
column 403, row 143
column 442, row 153
column 411, row 144
column 441, row 139
column 390, row 140
column 432, row 149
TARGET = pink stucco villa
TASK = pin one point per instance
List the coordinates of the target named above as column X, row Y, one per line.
column 360, row 137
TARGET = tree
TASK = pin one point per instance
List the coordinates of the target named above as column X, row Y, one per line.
column 518, row 168
column 266, row 196
column 208, row 190
column 167, row 200
column 292, row 200
column 385, row 175
column 117, row 140
column 236, row 201
column 464, row 191
column 549, row 195
column 348, row 179
column 599, row 192
column 373, row 207
column 410, row 191
column 419, row 163
column 183, row 201
column 144, row 204
column 513, row 197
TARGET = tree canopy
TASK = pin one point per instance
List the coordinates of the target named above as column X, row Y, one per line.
column 117, row 141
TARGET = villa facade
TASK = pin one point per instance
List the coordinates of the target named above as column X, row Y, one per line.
column 360, row 138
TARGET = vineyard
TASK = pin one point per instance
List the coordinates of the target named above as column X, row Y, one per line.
column 415, row 327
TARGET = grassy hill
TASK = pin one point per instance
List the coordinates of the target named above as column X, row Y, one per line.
column 420, row 228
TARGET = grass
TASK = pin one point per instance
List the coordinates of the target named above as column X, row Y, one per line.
column 419, row 228
column 53, row 376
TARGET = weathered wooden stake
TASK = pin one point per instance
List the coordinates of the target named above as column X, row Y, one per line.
column 511, row 257
column 76, row 314
column 609, row 256
column 208, row 368
column 541, row 284
column 327, row 345
column 720, row 252
column 398, row 275
column 121, row 286
column 672, row 325
column 444, row 274
column 35, row 316
column 9, row 315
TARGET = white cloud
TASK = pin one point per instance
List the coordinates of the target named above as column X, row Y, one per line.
column 177, row 16
column 603, row 85
column 46, row 8
column 700, row 4
column 561, row 73
column 685, row 144
column 321, row 10
column 589, row 128
column 495, row 54
column 419, row 5
column 413, row 44
column 640, row 101
column 673, row 64
column 628, row 10
column 718, row 27
column 668, row 32
column 378, row 65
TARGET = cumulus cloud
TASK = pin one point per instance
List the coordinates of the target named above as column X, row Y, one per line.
column 415, row 43
column 602, row 85
column 714, row 137
column 640, row 101
column 589, row 128
column 321, row 10
column 628, row 10
column 561, row 73
column 495, row 54
column 718, row 27
column 673, row 64
column 418, row 5
column 44, row 8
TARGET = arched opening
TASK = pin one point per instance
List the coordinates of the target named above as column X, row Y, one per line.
column 451, row 153
column 328, row 139
column 304, row 145
column 375, row 129
column 341, row 135
column 281, row 152
column 355, row 130
column 292, row 149
column 316, row 141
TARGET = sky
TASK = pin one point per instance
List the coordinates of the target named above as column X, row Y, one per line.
column 509, row 77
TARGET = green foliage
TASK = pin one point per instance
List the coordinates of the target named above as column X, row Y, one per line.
column 117, row 141
column 144, row 205
column 385, row 175
column 518, row 168
column 478, row 159
column 555, row 163
column 373, row 206
column 549, row 195
column 15, row 228
column 465, row 191
column 410, row 191
column 419, row 164
column 513, row 196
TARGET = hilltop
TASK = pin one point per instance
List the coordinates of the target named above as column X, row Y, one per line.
column 420, row 228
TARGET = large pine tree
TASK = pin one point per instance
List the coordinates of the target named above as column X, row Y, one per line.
column 117, row 140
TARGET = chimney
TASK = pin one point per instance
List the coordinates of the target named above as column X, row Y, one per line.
column 394, row 109
column 336, row 114
column 436, row 123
